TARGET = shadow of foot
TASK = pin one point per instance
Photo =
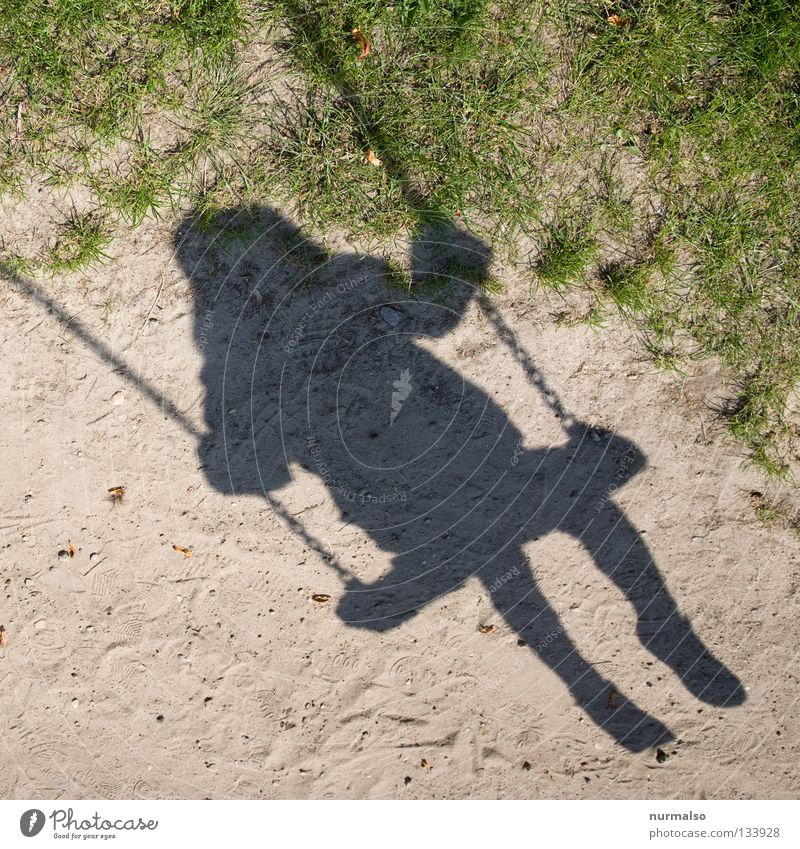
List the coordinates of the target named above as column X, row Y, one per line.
column 676, row 644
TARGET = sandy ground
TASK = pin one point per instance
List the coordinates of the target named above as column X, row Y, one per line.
column 130, row 670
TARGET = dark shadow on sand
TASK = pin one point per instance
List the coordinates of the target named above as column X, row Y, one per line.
column 316, row 360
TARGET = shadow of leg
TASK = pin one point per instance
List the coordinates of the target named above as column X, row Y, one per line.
column 524, row 608
column 623, row 556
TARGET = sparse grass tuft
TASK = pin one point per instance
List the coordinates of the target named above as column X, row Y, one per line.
column 81, row 243
column 567, row 253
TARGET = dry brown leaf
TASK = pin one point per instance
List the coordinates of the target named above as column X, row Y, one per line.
column 2, row 636
column 186, row 552
column 366, row 47
column 486, row 629
column 613, row 700
column 71, row 550
column 618, row 21
column 424, row 764
column 373, row 159
column 321, row 598
column 116, row 494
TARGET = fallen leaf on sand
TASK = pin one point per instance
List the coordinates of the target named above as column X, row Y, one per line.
column 366, row 47
column 424, row 764
column 486, row 629
column 116, row 494
column 373, row 159
column 71, row 550
column 321, row 598
column 618, row 21
column 2, row 636
column 613, row 700
column 186, row 552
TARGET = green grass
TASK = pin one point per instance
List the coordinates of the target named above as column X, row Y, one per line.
column 80, row 244
column 88, row 82
column 709, row 94
column 654, row 163
column 442, row 105
column 567, row 252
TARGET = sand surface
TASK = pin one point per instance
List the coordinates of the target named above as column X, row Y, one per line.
column 132, row 670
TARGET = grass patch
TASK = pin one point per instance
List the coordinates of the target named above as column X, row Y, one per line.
column 648, row 150
column 710, row 94
column 428, row 126
column 81, row 243
column 567, row 253
column 89, row 86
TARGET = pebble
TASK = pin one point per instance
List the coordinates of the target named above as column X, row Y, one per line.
column 117, row 398
column 94, row 557
column 75, row 704
column 28, row 583
column 63, row 554
column 390, row 316
column 152, row 325
column 258, row 297
column 39, row 624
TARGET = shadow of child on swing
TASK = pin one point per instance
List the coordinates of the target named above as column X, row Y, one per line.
column 316, row 360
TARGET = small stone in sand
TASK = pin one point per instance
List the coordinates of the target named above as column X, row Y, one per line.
column 117, row 398
column 390, row 316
